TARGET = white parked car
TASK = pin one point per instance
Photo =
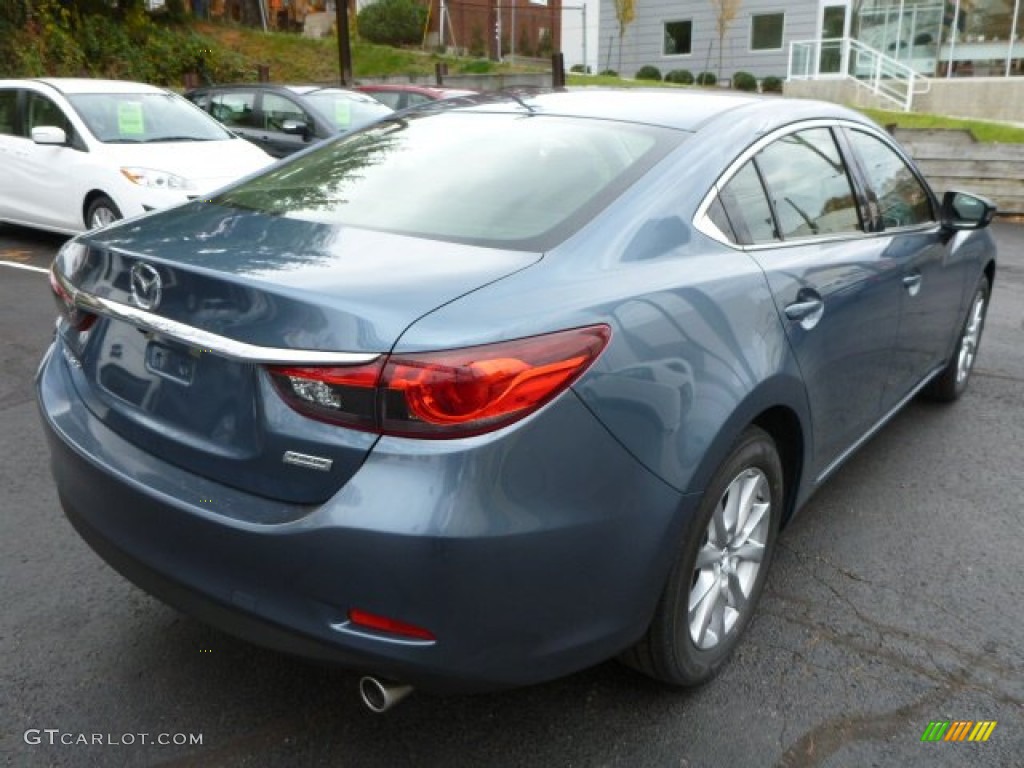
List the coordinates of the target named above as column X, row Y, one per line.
column 77, row 154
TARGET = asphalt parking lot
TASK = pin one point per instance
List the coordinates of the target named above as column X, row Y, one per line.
column 896, row 599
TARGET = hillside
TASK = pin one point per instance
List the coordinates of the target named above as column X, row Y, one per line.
column 155, row 50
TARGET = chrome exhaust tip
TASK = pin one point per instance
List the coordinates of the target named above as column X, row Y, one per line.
column 379, row 695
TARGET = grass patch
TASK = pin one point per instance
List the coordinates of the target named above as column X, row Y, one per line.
column 981, row 130
column 618, row 82
column 296, row 59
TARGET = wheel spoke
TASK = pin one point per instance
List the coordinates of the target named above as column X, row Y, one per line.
column 749, row 485
column 702, row 614
column 718, row 531
column 737, row 595
column 758, row 515
column 730, row 509
column 751, row 551
column 717, row 624
column 706, row 582
column 707, row 556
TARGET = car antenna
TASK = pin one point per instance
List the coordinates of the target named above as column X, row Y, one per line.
column 518, row 99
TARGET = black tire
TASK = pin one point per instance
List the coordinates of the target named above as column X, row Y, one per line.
column 670, row 652
column 101, row 212
column 952, row 381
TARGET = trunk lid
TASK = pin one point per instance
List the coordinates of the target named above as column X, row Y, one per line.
column 274, row 285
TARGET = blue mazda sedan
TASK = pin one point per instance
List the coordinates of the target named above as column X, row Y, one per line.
column 480, row 396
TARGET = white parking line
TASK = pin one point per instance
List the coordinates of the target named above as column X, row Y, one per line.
column 29, row 267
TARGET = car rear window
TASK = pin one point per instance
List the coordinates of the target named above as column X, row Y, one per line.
column 509, row 180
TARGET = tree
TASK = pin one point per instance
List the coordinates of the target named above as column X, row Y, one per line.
column 725, row 13
column 625, row 12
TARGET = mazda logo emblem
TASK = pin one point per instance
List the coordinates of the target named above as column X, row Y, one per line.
column 147, row 287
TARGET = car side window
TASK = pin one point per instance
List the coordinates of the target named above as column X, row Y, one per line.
column 392, row 98
column 808, row 184
column 235, row 108
column 415, row 99
column 8, row 112
column 277, row 109
column 746, row 207
column 902, row 199
column 41, row 111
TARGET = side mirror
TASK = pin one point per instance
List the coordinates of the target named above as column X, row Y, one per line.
column 49, row 134
column 961, row 210
column 296, row 128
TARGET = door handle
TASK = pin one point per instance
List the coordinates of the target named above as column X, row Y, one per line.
column 912, row 283
column 807, row 313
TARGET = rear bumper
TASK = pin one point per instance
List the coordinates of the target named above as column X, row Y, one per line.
column 529, row 554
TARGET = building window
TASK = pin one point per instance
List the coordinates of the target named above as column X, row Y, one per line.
column 766, row 31
column 678, row 37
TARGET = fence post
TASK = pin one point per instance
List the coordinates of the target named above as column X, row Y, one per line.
column 440, row 70
column 558, row 70
column 263, row 73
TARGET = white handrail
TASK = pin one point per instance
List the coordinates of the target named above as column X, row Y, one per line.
column 881, row 74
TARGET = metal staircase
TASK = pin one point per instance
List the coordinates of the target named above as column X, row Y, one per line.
column 891, row 81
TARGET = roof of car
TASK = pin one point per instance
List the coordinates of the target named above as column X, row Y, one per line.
column 684, row 109
column 301, row 89
column 412, row 88
column 89, row 85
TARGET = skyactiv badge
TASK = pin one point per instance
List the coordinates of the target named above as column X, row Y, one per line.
column 958, row 730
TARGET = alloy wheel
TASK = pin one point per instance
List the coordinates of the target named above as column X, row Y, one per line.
column 729, row 559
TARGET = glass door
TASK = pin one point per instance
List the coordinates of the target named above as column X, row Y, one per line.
column 833, row 30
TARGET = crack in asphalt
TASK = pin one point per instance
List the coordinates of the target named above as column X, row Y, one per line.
column 826, row 738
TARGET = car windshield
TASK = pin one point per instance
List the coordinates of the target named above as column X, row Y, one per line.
column 142, row 118
column 346, row 110
column 512, row 180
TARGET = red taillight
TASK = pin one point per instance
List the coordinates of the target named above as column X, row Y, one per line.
column 345, row 396
column 390, row 626
column 77, row 318
column 453, row 393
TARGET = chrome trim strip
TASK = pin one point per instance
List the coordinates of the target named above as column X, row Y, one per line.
column 702, row 222
column 207, row 341
column 878, row 425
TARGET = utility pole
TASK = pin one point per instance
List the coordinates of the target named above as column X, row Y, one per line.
column 344, row 45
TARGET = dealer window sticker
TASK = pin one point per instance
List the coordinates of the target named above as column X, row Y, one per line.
column 129, row 119
column 342, row 113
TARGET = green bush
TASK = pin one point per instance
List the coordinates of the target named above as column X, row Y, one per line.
column 744, row 81
column 706, row 78
column 608, row 73
column 771, row 84
column 477, row 67
column 580, row 69
column 648, row 72
column 680, row 76
column 57, row 42
column 392, row 22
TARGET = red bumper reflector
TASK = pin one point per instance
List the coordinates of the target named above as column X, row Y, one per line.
column 389, row 626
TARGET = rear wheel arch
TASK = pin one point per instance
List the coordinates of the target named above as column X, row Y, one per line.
column 777, row 406
column 784, row 427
